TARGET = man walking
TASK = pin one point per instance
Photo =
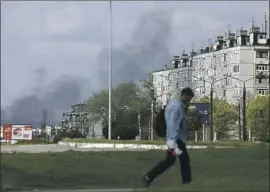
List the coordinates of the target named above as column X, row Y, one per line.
column 176, row 136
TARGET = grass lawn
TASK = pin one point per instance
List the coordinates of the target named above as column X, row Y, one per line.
column 237, row 169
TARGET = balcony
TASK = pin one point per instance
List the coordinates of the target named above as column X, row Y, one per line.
column 261, row 60
column 262, row 85
column 262, row 73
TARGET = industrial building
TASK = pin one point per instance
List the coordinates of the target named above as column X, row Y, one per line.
column 230, row 63
column 79, row 119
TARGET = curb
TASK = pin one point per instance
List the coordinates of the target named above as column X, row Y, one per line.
column 129, row 146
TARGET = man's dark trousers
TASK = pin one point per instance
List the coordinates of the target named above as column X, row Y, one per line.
column 169, row 161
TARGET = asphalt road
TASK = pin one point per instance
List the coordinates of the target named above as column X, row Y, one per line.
column 54, row 148
column 91, row 190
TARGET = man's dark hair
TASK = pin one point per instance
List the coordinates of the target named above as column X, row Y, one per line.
column 187, row 91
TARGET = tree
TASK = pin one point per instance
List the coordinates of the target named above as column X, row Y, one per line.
column 128, row 100
column 225, row 116
column 149, row 91
column 257, row 117
column 193, row 122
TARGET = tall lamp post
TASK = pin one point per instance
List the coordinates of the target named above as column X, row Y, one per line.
column 139, row 125
column 269, row 63
column 244, row 128
column 110, row 75
column 211, row 103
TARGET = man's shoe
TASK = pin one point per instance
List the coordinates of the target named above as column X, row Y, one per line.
column 187, row 182
column 146, row 181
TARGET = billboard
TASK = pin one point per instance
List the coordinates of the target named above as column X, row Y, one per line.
column 21, row 132
column 17, row 132
column 7, row 132
column 202, row 111
column 2, row 133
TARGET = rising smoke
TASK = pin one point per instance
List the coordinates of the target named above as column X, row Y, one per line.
column 55, row 99
column 147, row 50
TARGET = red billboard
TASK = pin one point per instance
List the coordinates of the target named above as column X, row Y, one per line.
column 17, row 132
column 7, row 132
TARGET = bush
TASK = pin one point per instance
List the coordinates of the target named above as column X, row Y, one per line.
column 57, row 138
column 257, row 121
column 74, row 134
column 71, row 135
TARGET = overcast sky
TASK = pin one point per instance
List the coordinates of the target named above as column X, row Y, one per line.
column 47, row 45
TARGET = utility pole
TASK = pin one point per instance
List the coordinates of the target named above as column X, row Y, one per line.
column 110, row 74
column 268, row 63
column 239, row 121
column 152, row 120
column 211, row 114
column 139, row 125
column 244, row 112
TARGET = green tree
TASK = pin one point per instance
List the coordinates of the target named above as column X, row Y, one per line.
column 193, row 122
column 257, row 117
column 128, row 101
column 225, row 116
column 149, row 92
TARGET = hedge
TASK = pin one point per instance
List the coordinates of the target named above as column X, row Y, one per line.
column 34, row 141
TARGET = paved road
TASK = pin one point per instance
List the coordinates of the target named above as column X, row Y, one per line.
column 91, row 190
column 54, row 148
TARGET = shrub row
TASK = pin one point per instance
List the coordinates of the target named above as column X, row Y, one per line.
column 34, row 141
column 71, row 135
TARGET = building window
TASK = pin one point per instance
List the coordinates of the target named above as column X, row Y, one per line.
column 261, row 54
column 262, row 81
column 259, row 80
column 162, row 88
column 225, row 57
column 226, row 81
column 224, row 93
column 236, row 68
column 262, row 67
column 262, row 91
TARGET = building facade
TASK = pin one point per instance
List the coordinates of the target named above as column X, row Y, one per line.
column 80, row 119
column 228, row 64
column 168, row 82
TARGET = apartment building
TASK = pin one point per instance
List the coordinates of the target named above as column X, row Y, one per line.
column 232, row 62
column 169, row 81
column 229, row 63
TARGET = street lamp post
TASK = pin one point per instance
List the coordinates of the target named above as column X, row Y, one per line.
column 244, row 128
column 244, row 131
column 110, row 74
column 211, row 104
column 239, row 121
column 139, row 125
column 152, row 121
column 211, row 113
